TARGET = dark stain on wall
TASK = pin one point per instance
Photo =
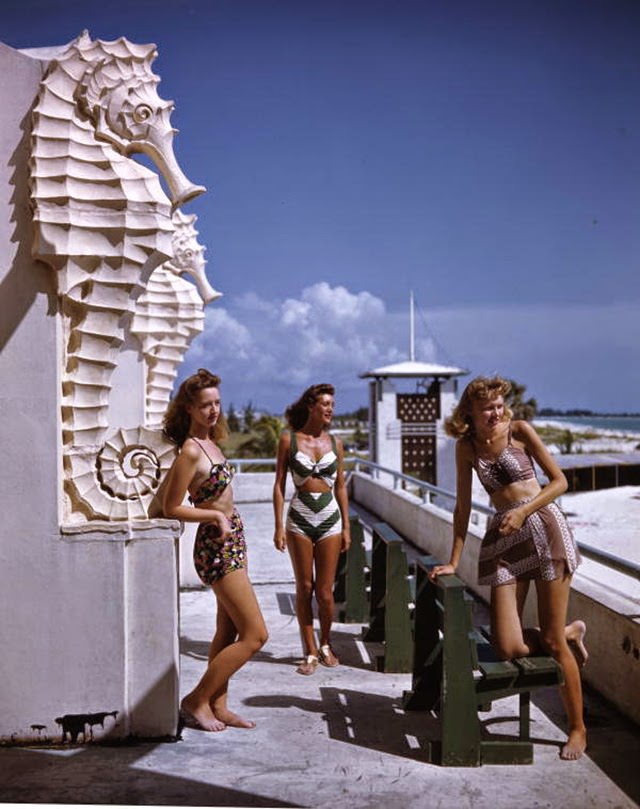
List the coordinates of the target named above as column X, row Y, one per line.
column 74, row 724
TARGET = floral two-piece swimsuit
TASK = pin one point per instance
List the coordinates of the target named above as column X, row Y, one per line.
column 212, row 558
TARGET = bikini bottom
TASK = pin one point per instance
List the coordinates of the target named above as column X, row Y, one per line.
column 214, row 559
column 542, row 548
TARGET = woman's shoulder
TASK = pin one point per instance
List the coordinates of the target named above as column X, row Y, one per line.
column 336, row 442
column 522, row 430
column 190, row 449
column 465, row 448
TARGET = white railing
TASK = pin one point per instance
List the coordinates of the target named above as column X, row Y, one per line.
column 427, row 492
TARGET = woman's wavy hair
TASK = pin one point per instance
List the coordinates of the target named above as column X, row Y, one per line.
column 177, row 421
column 459, row 423
column 298, row 412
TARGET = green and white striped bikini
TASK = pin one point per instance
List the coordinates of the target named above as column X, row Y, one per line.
column 313, row 514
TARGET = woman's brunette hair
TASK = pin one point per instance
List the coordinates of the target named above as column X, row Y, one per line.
column 177, row 421
column 459, row 423
column 298, row 412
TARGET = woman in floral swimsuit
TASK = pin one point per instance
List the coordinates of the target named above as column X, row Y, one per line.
column 527, row 540
column 194, row 421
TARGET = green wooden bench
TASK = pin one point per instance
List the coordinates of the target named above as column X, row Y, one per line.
column 390, row 600
column 456, row 673
column 350, row 588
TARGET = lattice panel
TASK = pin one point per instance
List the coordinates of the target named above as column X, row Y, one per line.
column 419, row 447
column 412, row 407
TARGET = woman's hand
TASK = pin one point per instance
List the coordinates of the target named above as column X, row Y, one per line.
column 222, row 525
column 441, row 570
column 280, row 541
column 346, row 542
column 511, row 522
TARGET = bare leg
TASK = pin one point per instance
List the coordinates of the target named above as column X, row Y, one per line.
column 507, row 603
column 326, row 555
column 511, row 642
column 301, row 553
column 553, row 598
column 235, row 593
column 225, row 635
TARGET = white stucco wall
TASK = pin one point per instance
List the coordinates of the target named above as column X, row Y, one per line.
column 387, row 451
column 90, row 620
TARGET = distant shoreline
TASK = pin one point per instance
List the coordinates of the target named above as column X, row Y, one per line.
column 549, row 413
column 624, row 425
column 591, row 436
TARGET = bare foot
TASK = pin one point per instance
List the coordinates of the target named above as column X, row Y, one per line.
column 232, row 720
column 575, row 746
column 200, row 716
column 575, row 633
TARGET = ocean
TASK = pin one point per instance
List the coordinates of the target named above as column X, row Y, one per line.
column 627, row 425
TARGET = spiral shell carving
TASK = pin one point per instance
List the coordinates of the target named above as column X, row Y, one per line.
column 127, row 471
column 125, row 476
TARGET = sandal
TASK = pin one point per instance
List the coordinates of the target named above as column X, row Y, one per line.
column 308, row 665
column 327, row 657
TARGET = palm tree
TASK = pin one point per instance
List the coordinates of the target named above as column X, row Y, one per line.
column 526, row 410
column 248, row 417
column 233, row 421
column 263, row 441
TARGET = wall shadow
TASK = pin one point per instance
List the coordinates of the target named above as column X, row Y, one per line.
column 26, row 278
column 100, row 774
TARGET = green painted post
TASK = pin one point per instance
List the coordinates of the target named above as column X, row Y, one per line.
column 398, row 650
column 375, row 630
column 356, row 606
column 427, row 646
column 460, row 724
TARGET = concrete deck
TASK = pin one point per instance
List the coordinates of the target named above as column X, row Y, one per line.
column 336, row 739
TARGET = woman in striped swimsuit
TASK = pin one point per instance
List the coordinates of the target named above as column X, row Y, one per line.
column 527, row 540
column 317, row 525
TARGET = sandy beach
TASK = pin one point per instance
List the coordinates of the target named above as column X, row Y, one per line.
column 593, row 439
column 608, row 519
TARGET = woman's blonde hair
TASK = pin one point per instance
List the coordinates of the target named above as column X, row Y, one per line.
column 177, row 421
column 459, row 423
column 298, row 412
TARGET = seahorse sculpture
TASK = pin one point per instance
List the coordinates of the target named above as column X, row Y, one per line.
column 103, row 223
column 169, row 314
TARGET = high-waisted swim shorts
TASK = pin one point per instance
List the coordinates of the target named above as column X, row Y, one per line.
column 214, row 559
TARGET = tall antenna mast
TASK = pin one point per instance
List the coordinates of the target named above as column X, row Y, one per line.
column 412, row 331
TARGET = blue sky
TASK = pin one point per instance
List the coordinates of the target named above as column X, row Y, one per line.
column 485, row 155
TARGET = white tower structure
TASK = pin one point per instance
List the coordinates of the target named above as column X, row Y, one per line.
column 406, row 428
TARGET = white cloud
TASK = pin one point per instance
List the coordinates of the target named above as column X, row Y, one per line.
column 221, row 330
column 268, row 351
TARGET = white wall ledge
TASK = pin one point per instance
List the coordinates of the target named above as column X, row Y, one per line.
column 103, row 531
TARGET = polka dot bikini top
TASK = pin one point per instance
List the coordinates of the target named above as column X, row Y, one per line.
column 512, row 465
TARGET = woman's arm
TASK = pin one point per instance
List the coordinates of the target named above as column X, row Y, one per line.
column 462, row 510
column 178, row 480
column 342, row 498
column 282, row 465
